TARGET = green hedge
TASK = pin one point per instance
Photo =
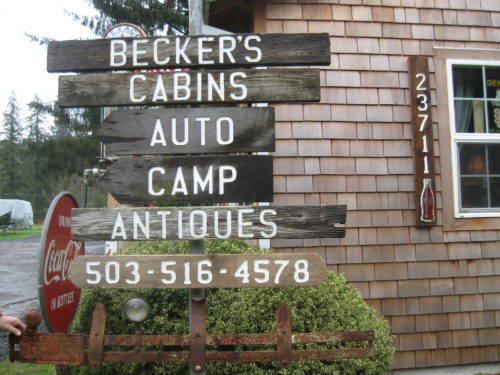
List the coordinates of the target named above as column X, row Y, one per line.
column 333, row 306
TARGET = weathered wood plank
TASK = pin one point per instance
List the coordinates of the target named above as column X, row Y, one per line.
column 188, row 51
column 190, row 179
column 199, row 271
column 188, row 130
column 224, row 222
column 216, row 86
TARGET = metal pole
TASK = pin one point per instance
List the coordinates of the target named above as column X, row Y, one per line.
column 197, row 320
column 195, row 17
column 197, row 363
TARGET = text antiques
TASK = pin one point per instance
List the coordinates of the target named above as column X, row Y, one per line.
column 199, row 223
column 423, row 141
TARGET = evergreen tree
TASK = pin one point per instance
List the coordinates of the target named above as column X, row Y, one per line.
column 10, row 153
column 36, row 118
column 36, row 177
column 155, row 17
column 11, row 123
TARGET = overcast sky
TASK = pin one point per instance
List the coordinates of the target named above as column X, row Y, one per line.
column 22, row 62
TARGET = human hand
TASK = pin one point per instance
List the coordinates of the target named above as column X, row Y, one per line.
column 12, row 324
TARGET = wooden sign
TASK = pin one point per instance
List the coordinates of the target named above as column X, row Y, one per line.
column 423, row 146
column 195, row 223
column 219, row 86
column 190, row 179
column 199, row 271
column 188, row 51
column 188, row 130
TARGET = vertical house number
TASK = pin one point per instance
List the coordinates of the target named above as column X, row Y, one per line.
column 423, row 150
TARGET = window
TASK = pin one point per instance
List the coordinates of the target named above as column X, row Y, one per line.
column 474, row 104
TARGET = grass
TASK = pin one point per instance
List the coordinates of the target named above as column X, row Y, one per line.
column 21, row 233
column 16, row 368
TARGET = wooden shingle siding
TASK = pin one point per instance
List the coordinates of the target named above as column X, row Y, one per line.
column 439, row 289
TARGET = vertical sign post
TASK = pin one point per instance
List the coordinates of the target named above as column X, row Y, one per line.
column 423, row 147
column 197, row 308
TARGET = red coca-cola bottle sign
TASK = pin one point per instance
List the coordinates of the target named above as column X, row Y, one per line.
column 58, row 296
column 427, row 203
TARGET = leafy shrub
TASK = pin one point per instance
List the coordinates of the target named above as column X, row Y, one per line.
column 333, row 306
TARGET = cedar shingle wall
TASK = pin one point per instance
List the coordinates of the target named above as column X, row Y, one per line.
column 439, row 290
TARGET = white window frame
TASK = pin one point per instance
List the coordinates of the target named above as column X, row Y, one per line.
column 456, row 138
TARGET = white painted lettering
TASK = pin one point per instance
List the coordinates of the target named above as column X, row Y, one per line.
column 230, row 130
column 202, row 183
column 136, row 52
column 156, row 58
column 242, row 224
column 241, row 86
column 180, row 51
column 199, row 87
column 212, row 85
column 226, row 180
column 179, row 183
column 138, row 223
column 58, row 261
column 270, row 224
column 180, row 231
column 202, row 224
column 119, row 228
column 217, row 225
column 202, row 50
column 158, row 136
column 151, row 189
column 175, row 141
column 179, row 86
column 117, row 56
column 227, row 51
column 160, row 92
column 163, row 215
column 202, row 121
column 256, row 50
column 182, row 87
column 64, row 221
column 132, row 96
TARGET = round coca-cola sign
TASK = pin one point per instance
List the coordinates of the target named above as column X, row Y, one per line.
column 58, row 296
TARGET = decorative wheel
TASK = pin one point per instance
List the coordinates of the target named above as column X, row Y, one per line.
column 124, row 30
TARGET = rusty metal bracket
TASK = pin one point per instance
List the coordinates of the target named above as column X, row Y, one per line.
column 55, row 348
column 62, row 349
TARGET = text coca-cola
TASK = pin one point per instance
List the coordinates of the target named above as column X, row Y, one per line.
column 58, row 261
